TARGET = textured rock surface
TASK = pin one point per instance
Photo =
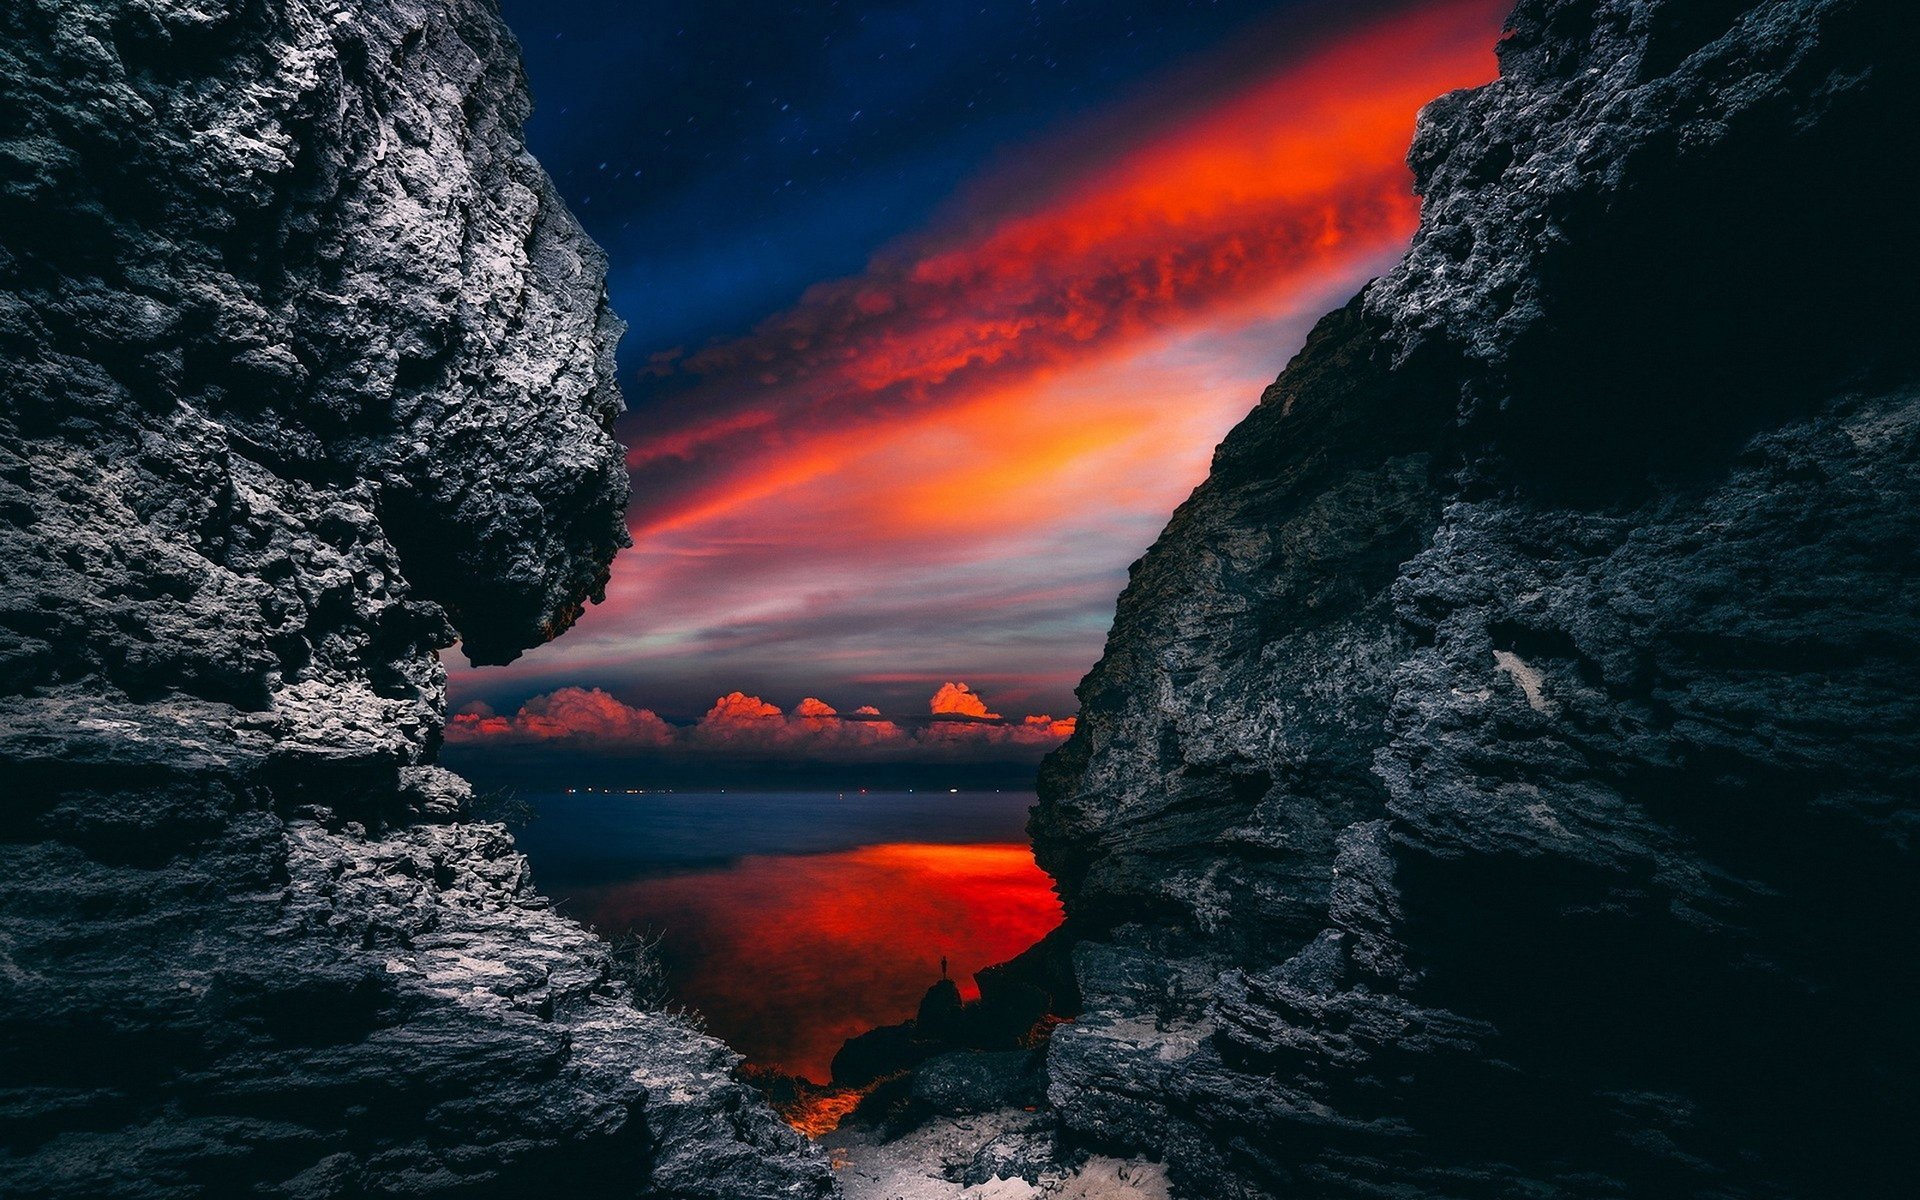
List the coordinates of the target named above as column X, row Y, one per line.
column 308, row 371
column 1004, row 1154
column 1502, row 775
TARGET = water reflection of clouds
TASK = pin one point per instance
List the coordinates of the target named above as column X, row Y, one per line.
column 594, row 839
column 788, row 956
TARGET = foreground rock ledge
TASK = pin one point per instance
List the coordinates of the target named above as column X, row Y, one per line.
column 308, row 371
column 1503, row 774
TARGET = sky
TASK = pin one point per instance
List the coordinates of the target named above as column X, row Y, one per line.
column 937, row 310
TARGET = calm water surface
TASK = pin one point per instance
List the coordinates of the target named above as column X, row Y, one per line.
column 795, row 920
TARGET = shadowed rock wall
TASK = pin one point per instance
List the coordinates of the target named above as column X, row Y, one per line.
column 1502, row 775
column 307, row 372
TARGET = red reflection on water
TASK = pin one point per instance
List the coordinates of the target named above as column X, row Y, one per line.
column 789, row 956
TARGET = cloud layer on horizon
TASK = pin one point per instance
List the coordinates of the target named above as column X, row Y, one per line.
column 957, row 727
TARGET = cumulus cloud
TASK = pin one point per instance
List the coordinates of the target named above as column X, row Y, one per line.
column 739, row 724
column 959, row 700
column 737, row 710
column 568, row 715
column 1062, row 728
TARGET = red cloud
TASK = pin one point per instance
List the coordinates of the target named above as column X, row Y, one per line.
column 742, row 724
column 570, row 714
column 1062, row 728
column 737, row 709
column 960, row 700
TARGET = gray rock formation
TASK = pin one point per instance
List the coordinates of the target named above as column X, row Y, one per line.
column 307, row 370
column 1503, row 774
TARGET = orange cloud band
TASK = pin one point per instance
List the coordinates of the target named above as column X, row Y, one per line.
column 738, row 724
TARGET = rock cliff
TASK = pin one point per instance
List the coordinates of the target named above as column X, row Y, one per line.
column 1503, row 774
column 308, row 373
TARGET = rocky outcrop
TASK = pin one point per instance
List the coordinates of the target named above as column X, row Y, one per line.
column 308, row 371
column 1501, row 777
column 1010, row 1015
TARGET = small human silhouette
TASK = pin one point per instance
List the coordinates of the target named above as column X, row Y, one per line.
column 943, row 966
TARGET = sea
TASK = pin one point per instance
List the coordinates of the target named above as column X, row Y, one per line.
column 791, row 921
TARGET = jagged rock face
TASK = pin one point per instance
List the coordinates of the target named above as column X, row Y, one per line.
column 1501, row 778
column 308, row 372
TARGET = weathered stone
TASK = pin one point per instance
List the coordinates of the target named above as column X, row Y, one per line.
column 1501, row 777
column 308, row 370
column 977, row 1081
